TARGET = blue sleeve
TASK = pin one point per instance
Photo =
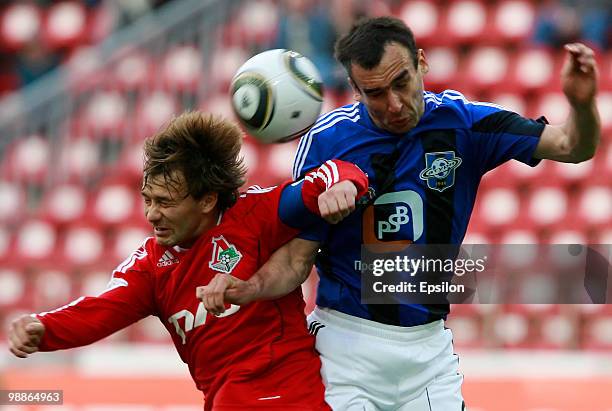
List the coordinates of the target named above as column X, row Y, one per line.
column 500, row 135
column 307, row 156
column 293, row 212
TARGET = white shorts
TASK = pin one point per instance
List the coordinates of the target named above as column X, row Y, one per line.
column 371, row 366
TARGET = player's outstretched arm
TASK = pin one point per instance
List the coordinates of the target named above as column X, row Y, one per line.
column 24, row 335
column 286, row 270
column 577, row 139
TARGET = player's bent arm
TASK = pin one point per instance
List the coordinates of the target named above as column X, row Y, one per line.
column 577, row 139
column 286, row 269
column 24, row 335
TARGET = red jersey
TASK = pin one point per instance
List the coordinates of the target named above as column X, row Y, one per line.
column 256, row 356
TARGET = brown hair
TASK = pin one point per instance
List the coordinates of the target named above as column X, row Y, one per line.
column 205, row 148
column 365, row 43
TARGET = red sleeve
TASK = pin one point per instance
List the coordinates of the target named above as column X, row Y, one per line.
column 127, row 299
column 329, row 173
column 278, row 214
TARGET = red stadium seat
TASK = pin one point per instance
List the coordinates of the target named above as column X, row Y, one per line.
column 466, row 21
column 423, row 18
column 511, row 330
column 129, row 167
column 533, row 69
column 603, row 235
column 527, row 175
column 280, row 160
column 467, row 330
column 225, row 62
column 28, row 159
column 133, row 71
column 83, row 244
column 558, row 332
column 127, row 239
column 553, row 106
column 95, row 280
column 547, row 206
column 499, row 177
column 220, row 104
column 182, row 69
column 153, row 112
column 51, row 288
column 499, row 207
column 486, row 68
column 515, row 248
column 19, row 24
column 12, row 202
column 571, row 173
column 149, row 330
column 595, row 205
column 257, row 21
column 36, row 241
column 105, row 114
column 65, row 24
column 12, row 287
column 604, row 104
column 514, row 20
column 250, row 154
column 597, row 334
column 511, row 101
column 114, row 203
column 79, row 158
column 5, row 244
column 443, row 68
column 64, row 204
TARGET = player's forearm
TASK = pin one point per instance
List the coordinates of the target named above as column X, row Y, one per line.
column 286, row 270
column 583, row 131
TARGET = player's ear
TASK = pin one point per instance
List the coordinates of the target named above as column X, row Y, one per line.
column 356, row 92
column 423, row 66
column 208, row 202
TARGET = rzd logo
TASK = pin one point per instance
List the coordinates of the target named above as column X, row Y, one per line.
column 406, row 216
column 200, row 319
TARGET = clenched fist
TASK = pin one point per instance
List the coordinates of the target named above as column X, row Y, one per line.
column 24, row 335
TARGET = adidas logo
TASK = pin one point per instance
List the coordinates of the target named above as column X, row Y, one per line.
column 167, row 259
column 314, row 327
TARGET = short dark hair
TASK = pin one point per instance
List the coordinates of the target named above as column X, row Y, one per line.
column 205, row 148
column 365, row 43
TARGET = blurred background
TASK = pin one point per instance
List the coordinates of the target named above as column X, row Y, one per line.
column 83, row 83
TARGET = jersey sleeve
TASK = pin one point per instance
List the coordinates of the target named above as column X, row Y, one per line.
column 299, row 207
column 500, row 135
column 281, row 213
column 127, row 299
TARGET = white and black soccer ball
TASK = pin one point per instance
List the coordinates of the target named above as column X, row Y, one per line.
column 277, row 95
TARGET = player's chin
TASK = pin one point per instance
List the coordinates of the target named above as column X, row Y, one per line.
column 164, row 240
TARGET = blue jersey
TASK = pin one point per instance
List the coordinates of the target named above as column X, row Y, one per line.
column 425, row 181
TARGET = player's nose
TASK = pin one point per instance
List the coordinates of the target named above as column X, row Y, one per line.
column 152, row 214
column 394, row 103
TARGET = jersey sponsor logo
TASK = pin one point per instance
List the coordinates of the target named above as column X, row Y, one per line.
column 439, row 171
column 391, row 213
column 225, row 256
column 167, row 259
column 191, row 321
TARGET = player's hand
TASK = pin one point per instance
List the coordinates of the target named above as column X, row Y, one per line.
column 579, row 75
column 225, row 289
column 337, row 202
column 24, row 335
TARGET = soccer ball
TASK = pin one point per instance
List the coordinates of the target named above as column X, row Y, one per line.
column 277, row 95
